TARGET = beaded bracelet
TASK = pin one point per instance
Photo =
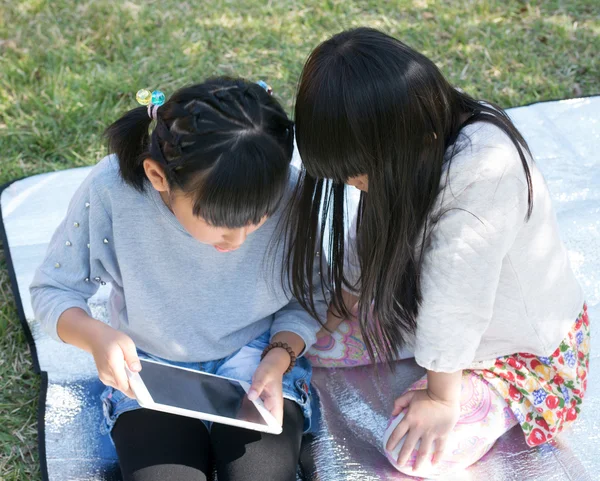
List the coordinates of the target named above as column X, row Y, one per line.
column 282, row 345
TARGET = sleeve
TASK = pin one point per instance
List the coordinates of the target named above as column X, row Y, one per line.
column 294, row 318
column 71, row 272
column 480, row 216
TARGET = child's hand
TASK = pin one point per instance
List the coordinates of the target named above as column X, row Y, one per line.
column 334, row 319
column 267, row 382
column 426, row 418
column 112, row 350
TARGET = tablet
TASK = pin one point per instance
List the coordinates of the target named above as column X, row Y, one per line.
column 199, row 395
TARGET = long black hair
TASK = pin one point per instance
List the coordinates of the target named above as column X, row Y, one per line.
column 369, row 104
column 225, row 142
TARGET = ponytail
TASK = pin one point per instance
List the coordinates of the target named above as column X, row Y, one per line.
column 129, row 139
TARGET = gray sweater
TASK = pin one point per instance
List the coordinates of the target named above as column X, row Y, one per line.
column 175, row 297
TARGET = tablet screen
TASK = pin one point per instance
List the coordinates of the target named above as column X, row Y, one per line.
column 196, row 391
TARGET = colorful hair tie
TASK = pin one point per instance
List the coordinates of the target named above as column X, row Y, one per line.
column 152, row 100
column 265, row 86
column 152, row 111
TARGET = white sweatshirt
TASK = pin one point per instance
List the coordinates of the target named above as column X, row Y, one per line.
column 493, row 283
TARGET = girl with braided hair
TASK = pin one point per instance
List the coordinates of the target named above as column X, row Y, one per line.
column 180, row 220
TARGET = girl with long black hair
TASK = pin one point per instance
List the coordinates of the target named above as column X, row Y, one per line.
column 455, row 251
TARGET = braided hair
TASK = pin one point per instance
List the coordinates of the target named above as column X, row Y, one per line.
column 225, row 142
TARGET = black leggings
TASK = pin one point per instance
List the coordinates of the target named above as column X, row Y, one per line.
column 156, row 446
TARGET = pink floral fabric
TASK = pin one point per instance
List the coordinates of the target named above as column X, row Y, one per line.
column 484, row 417
column 344, row 348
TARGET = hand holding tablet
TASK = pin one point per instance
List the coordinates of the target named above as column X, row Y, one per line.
column 267, row 383
column 195, row 394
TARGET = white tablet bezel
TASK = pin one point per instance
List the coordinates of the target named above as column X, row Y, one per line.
column 145, row 400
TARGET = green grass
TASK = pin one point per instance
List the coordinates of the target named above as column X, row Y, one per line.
column 68, row 68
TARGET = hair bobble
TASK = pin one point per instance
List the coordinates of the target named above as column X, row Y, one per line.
column 265, row 86
column 152, row 100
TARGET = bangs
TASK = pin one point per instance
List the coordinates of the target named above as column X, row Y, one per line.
column 244, row 188
column 329, row 149
column 337, row 166
column 329, row 127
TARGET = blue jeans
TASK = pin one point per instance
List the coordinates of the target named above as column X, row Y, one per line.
column 239, row 365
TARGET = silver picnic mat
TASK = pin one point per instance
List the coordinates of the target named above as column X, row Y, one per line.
column 565, row 139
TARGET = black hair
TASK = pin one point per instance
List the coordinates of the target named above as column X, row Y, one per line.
column 225, row 142
column 369, row 104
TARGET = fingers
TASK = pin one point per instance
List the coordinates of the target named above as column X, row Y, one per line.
column 130, row 354
column 111, row 366
column 409, row 445
column 131, row 359
column 440, row 449
column 107, row 380
column 333, row 322
column 397, row 435
column 120, row 377
column 130, row 394
column 424, row 452
column 275, row 406
column 270, row 390
column 110, row 381
column 257, row 388
column 116, row 364
column 323, row 333
column 402, row 402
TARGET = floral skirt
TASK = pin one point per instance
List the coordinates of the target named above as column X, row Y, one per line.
column 545, row 393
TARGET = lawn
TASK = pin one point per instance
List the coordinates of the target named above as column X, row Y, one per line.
column 68, row 68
